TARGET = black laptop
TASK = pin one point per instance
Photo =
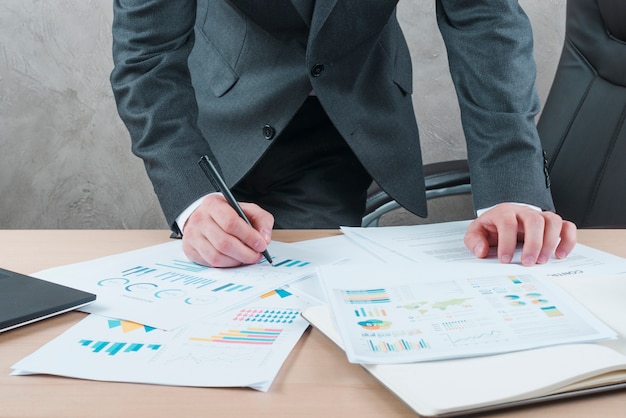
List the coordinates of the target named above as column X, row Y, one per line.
column 25, row 299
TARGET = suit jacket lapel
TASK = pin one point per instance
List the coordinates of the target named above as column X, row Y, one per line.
column 321, row 11
column 337, row 26
column 305, row 9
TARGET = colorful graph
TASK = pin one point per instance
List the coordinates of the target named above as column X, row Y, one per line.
column 253, row 336
column 399, row 345
column 118, row 347
column 365, row 313
column 485, row 337
column 551, row 311
column 540, row 301
column 128, row 326
column 366, row 296
column 280, row 292
column 454, row 325
column 171, row 277
column 259, row 315
column 375, row 324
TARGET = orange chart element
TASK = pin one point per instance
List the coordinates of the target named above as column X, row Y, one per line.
column 253, row 336
column 375, row 324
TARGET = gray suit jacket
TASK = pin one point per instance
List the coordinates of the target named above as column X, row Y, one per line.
column 224, row 77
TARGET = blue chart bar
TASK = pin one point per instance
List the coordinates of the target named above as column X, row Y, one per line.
column 97, row 347
column 186, row 279
column 292, row 263
column 115, row 348
column 133, row 347
column 223, row 287
column 231, row 287
column 138, row 271
column 399, row 345
column 184, row 265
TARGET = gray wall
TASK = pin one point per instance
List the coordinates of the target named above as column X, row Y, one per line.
column 65, row 159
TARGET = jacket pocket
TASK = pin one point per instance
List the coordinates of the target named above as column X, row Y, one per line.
column 206, row 62
column 403, row 67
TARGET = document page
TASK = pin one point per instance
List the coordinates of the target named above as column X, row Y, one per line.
column 464, row 385
column 159, row 287
column 403, row 313
column 243, row 347
column 443, row 242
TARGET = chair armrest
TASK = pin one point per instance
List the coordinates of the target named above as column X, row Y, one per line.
column 445, row 178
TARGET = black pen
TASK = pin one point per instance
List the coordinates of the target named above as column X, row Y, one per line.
column 220, row 185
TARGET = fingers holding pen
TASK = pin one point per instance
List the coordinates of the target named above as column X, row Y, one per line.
column 217, row 236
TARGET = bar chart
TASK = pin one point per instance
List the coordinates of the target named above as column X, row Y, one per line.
column 115, row 348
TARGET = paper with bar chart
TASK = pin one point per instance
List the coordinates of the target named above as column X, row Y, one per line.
column 404, row 313
column 160, row 287
column 243, row 347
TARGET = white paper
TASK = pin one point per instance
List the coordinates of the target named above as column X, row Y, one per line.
column 243, row 347
column 158, row 286
column 351, row 254
column 404, row 313
column 443, row 242
column 451, row 386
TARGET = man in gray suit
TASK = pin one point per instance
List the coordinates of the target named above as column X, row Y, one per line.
column 303, row 102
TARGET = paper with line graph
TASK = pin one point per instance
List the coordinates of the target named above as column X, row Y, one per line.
column 243, row 347
column 404, row 313
column 158, row 286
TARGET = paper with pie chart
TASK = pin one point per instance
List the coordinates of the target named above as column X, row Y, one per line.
column 405, row 313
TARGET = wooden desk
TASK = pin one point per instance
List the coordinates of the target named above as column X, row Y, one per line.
column 316, row 380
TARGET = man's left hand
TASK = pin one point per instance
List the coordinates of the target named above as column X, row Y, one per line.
column 504, row 225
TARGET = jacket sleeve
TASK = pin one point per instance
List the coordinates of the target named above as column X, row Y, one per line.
column 490, row 53
column 152, row 40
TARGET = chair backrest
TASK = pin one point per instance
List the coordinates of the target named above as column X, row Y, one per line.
column 582, row 125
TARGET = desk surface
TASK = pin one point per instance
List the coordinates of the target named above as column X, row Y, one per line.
column 316, row 380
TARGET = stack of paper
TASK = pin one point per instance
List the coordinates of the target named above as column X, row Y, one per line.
column 162, row 319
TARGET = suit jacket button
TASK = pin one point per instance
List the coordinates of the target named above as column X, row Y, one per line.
column 317, row 70
column 268, row 132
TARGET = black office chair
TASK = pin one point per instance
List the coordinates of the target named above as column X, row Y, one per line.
column 446, row 178
column 582, row 126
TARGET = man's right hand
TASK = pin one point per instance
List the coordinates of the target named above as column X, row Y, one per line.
column 215, row 235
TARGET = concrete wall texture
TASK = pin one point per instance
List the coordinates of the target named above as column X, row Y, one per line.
column 65, row 159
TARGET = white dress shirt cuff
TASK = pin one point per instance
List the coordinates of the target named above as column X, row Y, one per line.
column 481, row 211
column 182, row 218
